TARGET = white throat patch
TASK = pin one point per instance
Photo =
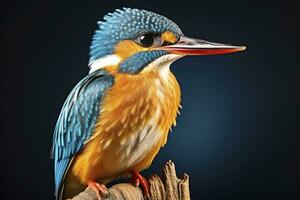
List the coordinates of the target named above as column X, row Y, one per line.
column 162, row 64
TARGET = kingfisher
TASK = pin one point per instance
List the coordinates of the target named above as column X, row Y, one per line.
column 115, row 120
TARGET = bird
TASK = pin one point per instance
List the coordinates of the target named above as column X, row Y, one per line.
column 115, row 120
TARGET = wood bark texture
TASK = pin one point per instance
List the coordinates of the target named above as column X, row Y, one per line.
column 166, row 187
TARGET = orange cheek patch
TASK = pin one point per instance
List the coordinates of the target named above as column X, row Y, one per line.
column 168, row 37
column 127, row 48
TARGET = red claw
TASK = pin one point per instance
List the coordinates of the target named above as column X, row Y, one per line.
column 98, row 188
column 138, row 179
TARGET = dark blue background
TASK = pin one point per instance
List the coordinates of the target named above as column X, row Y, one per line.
column 237, row 136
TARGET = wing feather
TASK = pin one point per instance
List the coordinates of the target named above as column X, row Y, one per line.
column 76, row 121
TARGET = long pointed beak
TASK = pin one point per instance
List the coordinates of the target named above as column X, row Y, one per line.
column 190, row 46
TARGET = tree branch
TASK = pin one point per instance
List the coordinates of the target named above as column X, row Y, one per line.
column 167, row 187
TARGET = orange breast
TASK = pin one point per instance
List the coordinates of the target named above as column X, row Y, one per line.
column 134, row 122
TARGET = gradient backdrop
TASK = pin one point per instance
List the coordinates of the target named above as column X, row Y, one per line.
column 237, row 136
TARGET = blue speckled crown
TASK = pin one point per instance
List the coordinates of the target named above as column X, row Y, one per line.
column 124, row 24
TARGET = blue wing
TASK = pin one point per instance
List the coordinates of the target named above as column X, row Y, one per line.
column 76, row 121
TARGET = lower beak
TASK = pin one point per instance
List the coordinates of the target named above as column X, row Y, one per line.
column 190, row 46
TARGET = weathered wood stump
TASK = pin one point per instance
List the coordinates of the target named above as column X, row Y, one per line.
column 166, row 187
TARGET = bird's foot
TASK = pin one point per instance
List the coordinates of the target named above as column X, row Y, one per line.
column 98, row 188
column 138, row 179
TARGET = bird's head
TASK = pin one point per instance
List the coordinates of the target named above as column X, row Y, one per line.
column 128, row 40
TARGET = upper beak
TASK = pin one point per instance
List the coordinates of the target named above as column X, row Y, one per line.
column 190, row 46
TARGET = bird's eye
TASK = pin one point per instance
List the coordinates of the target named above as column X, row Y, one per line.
column 145, row 40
